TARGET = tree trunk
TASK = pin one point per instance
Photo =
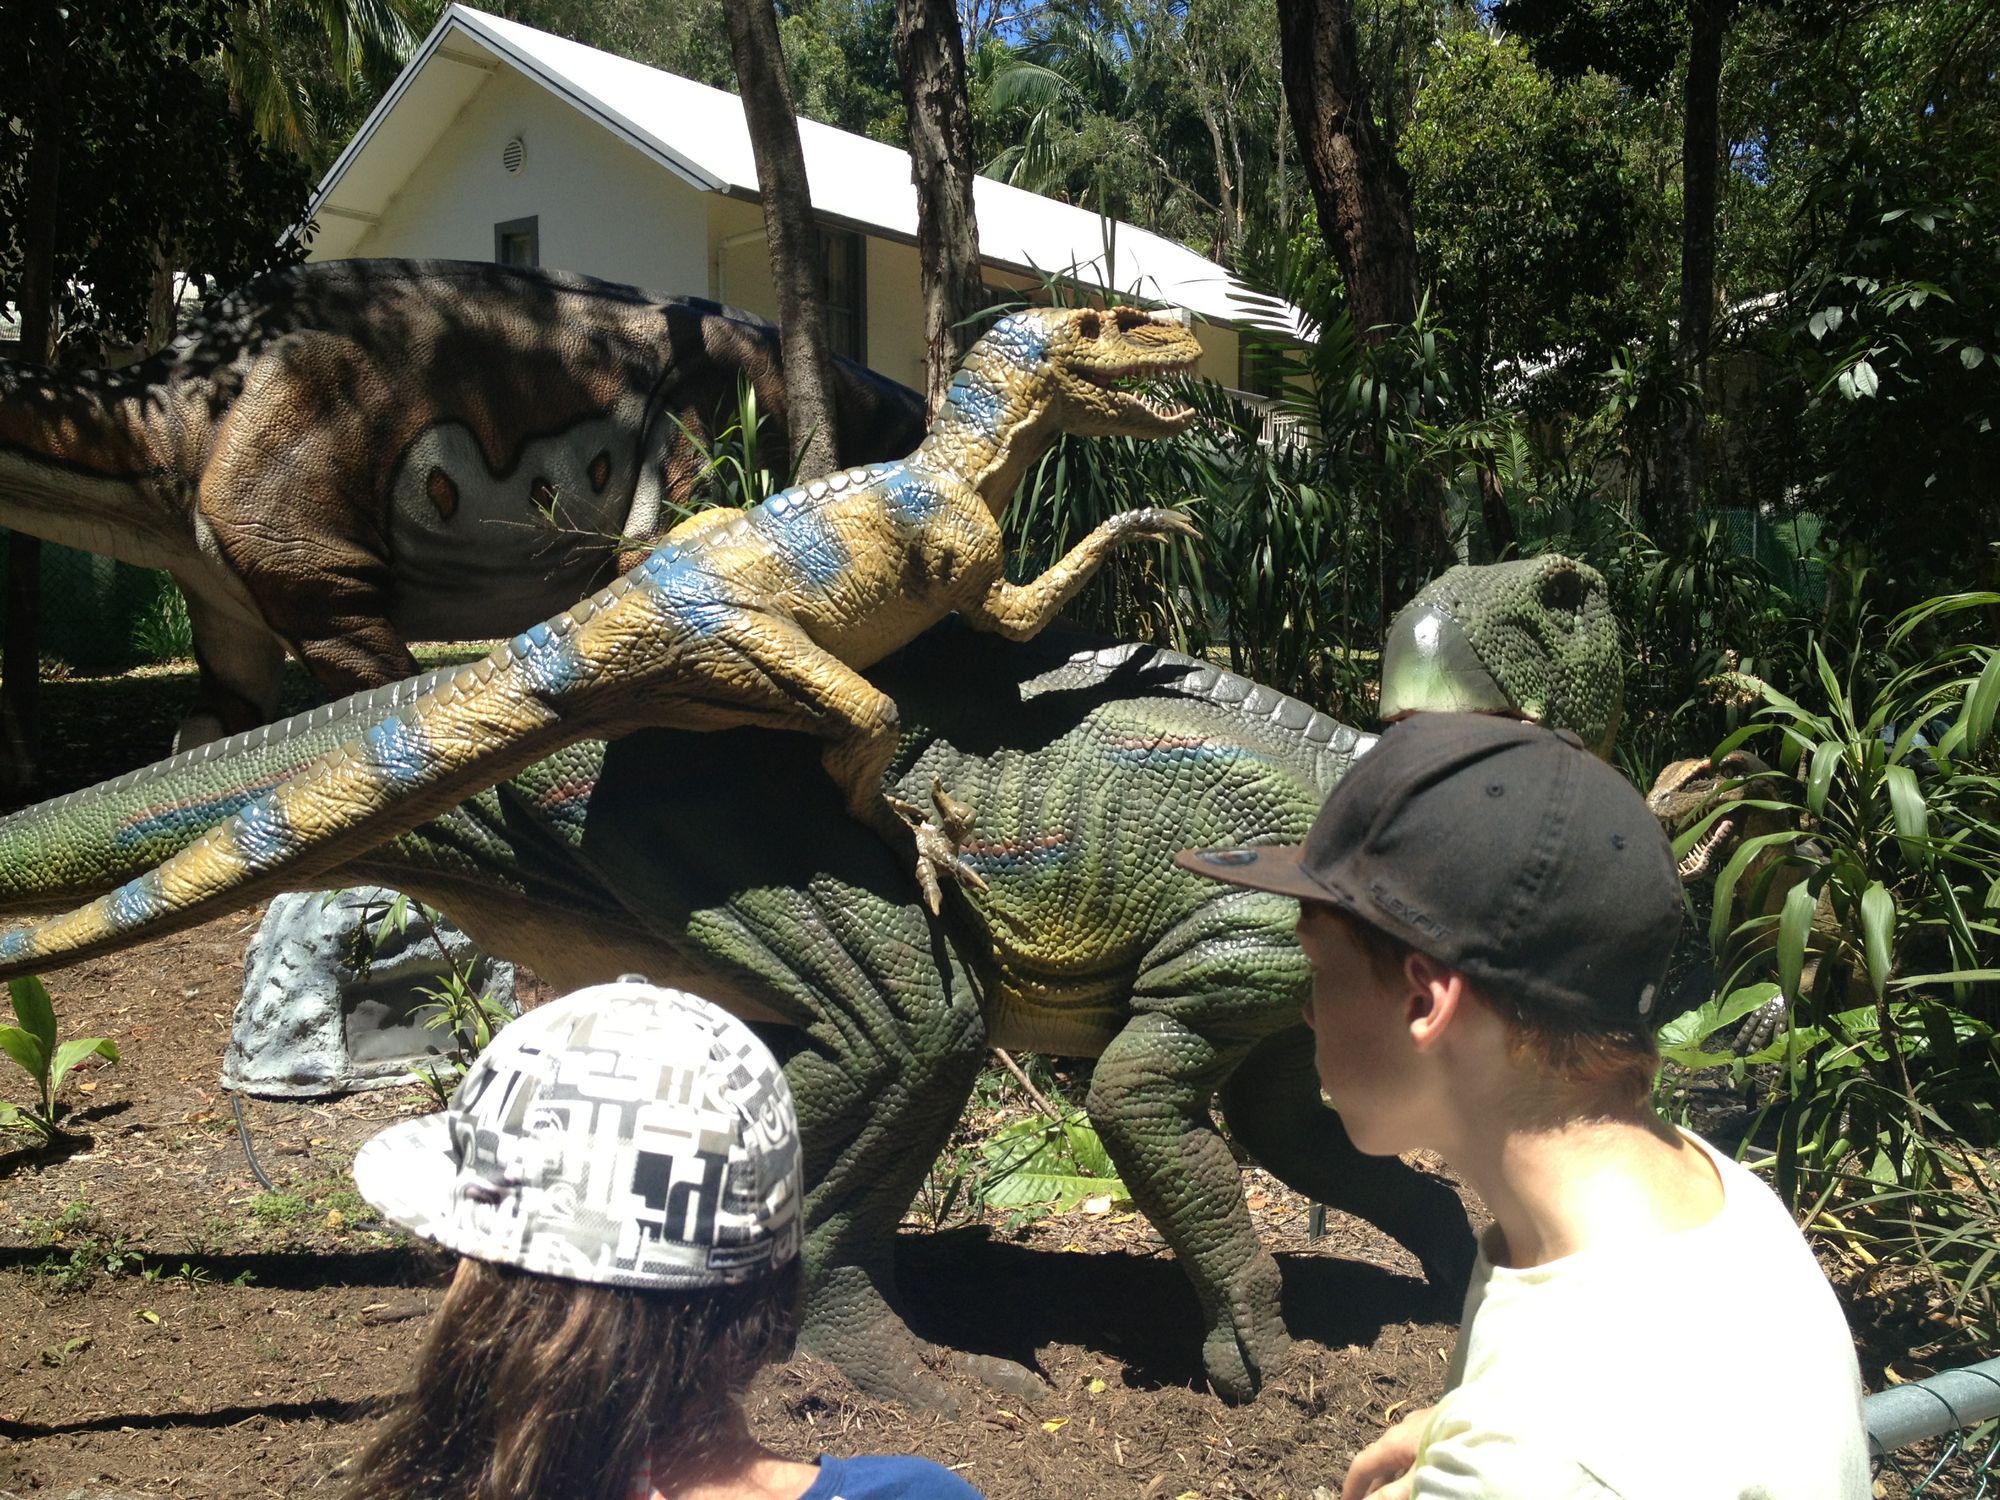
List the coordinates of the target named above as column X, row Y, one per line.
column 1364, row 216
column 930, row 61
column 20, row 660
column 788, row 224
column 1360, row 188
column 1701, row 172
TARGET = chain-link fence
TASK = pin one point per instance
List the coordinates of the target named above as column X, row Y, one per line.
column 1937, row 1437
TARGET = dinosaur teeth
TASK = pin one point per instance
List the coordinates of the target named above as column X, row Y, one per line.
column 1696, row 860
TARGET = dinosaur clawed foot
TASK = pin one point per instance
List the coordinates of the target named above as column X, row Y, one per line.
column 938, row 844
column 1762, row 1026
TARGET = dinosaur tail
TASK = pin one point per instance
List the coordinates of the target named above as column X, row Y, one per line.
column 82, row 461
column 80, row 845
column 473, row 727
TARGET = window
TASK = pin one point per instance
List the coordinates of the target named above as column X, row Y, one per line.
column 518, row 242
column 843, row 280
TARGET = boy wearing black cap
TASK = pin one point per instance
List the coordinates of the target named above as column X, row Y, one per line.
column 1488, row 911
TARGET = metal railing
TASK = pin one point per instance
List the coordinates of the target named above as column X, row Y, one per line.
column 1960, row 1407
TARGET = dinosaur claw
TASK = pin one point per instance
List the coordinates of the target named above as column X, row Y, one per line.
column 955, row 818
column 938, row 844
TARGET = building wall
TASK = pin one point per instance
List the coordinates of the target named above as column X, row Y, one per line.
column 601, row 207
column 604, row 209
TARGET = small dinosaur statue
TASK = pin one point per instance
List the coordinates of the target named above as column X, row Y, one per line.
column 345, row 456
column 666, row 853
column 763, row 617
column 1688, row 791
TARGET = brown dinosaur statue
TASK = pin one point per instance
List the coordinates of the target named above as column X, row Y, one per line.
column 344, row 457
column 1687, row 791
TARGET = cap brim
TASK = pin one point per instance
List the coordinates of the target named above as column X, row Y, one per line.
column 406, row 1172
column 1273, row 868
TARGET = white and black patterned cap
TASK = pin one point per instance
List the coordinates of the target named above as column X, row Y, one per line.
column 626, row 1134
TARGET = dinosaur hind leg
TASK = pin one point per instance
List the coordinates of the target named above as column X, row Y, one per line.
column 242, row 667
column 891, row 1038
column 1272, row 1105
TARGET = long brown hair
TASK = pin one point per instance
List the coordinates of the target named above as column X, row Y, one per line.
column 533, row 1388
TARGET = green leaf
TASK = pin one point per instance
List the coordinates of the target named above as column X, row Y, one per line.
column 1794, row 926
column 1061, row 1191
column 37, row 1012
column 1906, row 805
column 12, row 1116
column 74, row 1051
column 1971, row 356
column 1878, row 935
column 1720, row 922
column 1980, row 704
column 1826, row 759
column 25, row 1050
column 1681, row 1038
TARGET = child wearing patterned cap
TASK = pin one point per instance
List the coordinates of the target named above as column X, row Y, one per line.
column 619, row 1172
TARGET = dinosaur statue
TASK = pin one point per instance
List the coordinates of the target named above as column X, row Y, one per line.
column 1725, row 793
column 724, row 861
column 760, row 617
column 343, row 457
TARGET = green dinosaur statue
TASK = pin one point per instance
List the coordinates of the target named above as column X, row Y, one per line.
column 345, row 456
column 667, row 853
column 761, row 617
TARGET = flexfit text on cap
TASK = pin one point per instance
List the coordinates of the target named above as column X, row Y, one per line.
column 1499, row 847
column 626, row 1135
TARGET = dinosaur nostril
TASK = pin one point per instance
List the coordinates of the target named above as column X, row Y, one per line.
column 1563, row 590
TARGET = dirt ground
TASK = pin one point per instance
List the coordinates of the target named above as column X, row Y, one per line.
column 167, row 1327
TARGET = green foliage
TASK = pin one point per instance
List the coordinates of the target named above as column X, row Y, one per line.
column 80, row 1252
column 33, row 1046
column 1056, row 1164
column 1886, row 809
column 164, row 632
column 158, row 174
column 737, row 467
column 1525, row 207
column 458, row 1005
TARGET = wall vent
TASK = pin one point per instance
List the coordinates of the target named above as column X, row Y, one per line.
column 513, row 156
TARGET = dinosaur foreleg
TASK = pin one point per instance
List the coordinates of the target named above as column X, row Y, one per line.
column 1273, row 1109
column 1021, row 611
column 777, row 677
column 1149, row 1100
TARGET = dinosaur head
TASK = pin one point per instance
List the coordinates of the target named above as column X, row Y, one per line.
column 1045, row 371
column 1688, row 790
column 1532, row 638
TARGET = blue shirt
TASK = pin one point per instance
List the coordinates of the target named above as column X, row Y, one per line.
column 886, row 1477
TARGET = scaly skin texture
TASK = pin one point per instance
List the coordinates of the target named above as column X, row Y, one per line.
column 1542, row 626
column 667, row 853
column 765, row 618
column 348, row 455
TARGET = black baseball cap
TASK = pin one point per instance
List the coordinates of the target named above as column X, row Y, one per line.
column 1499, row 847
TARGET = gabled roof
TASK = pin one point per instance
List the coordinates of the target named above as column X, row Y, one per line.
column 698, row 133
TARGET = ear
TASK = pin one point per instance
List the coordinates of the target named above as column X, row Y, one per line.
column 1435, row 999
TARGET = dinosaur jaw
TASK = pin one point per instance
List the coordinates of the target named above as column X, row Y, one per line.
column 1110, row 401
column 1710, row 850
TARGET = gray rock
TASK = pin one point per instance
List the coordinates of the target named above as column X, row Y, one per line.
column 332, row 1004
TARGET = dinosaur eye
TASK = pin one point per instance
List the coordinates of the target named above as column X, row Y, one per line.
column 1089, row 325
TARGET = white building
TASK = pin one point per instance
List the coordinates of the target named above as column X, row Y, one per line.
column 500, row 142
